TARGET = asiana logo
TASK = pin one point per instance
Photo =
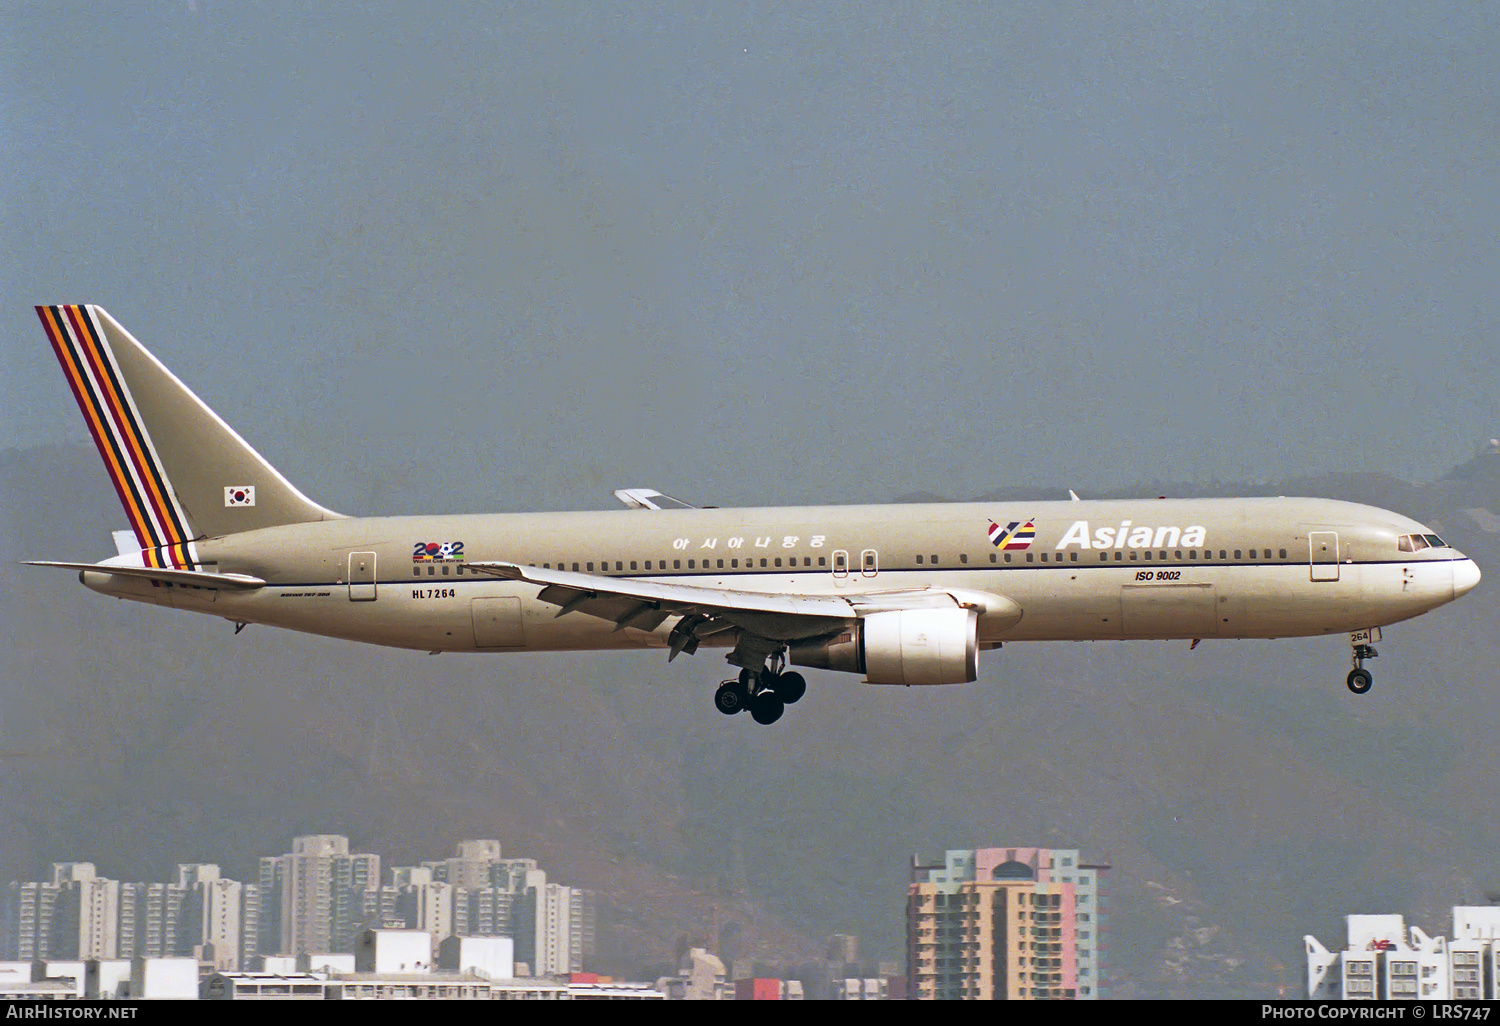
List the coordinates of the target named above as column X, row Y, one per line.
column 1132, row 536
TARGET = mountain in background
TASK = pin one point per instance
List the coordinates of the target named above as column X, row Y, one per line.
column 1242, row 795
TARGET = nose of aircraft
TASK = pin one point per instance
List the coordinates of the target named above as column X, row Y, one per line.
column 1465, row 577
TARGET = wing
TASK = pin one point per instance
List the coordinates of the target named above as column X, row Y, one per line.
column 765, row 621
column 650, row 498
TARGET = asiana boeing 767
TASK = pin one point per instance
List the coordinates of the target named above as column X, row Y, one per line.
column 905, row 594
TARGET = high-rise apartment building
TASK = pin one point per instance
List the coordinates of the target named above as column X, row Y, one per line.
column 86, row 915
column 554, row 926
column 1385, row 960
column 26, row 920
column 220, row 918
column 1004, row 923
column 310, row 897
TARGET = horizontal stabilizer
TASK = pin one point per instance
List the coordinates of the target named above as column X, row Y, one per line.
column 197, row 578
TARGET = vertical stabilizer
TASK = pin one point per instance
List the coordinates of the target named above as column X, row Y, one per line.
column 180, row 471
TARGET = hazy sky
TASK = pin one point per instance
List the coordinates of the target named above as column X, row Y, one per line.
column 515, row 257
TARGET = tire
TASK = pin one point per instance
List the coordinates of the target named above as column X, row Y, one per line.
column 1360, row 681
column 730, row 698
column 791, row 686
column 767, row 707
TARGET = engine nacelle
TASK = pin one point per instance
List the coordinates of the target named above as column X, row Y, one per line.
column 902, row 646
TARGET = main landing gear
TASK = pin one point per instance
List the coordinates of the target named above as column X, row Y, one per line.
column 1360, row 679
column 765, row 692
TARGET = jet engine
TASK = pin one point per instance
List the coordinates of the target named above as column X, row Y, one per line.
column 901, row 646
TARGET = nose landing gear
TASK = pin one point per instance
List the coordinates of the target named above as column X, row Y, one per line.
column 1360, row 679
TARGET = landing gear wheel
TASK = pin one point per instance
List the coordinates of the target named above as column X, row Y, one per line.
column 1360, row 680
column 730, row 698
column 767, row 707
column 791, row 686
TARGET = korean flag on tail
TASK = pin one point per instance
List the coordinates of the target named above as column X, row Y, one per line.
column 239, row 495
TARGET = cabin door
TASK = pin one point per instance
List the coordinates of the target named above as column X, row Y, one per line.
column 361, row 577
column 1324, row 559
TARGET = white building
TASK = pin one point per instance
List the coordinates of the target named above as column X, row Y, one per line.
column 1384, row 960
column 493, row 958
column 173, row 979
column 384, row 952
column 107, row 978
column 326, row 962
column 861, row 989
column 700, row 977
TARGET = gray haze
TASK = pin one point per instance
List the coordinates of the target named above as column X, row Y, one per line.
column 508, row 258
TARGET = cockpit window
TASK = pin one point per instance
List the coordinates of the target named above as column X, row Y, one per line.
column 1435, row 541
column 1418, row 542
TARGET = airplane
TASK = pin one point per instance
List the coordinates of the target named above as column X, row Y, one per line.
column 904, row 594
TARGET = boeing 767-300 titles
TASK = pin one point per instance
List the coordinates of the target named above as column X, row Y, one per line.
column 904, row 594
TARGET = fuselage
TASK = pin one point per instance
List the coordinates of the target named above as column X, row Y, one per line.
column 1169, row 568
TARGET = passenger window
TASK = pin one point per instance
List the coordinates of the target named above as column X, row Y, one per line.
column 1223, row 554
column 721, row 564
column 1237, row 554
column 778, row 561
column 1119, row 556
column 934, row 559
column 734, row 564
column 545, row 566
column 445, row 570
column 994, row 557
column 822, row 561
column 919, row 559
column 1029, row 558
column 648, row 564
column 676, row 564
column 632, row 564
column 963, row 557
column 590, row 567
column 1073, row 556
column 1163, row 555
column 575, row 568
column 1283, row 553
column 619, row 565
column 763, row 561
column 1148, row 554
column 1134, row 554
column 1175, row 555
column 1103, row 557
column 1192, row 553
column 432, row 571
column 692, row 564
column 416, row 571
column 1044, row 557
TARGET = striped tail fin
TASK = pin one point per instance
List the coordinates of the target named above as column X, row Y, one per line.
column 182, row 474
